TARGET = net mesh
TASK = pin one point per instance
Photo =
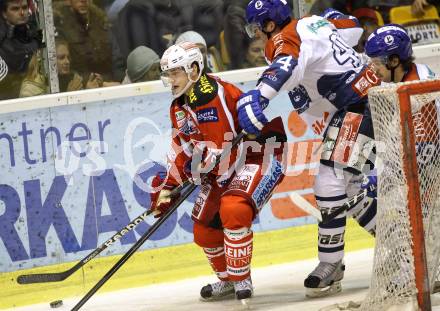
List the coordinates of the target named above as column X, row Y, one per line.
column 393, row 277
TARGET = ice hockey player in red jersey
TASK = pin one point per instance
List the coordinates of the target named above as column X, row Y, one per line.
column 204, row 121
column 315, row 52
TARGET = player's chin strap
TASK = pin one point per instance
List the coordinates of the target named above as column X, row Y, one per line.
column 392, row 69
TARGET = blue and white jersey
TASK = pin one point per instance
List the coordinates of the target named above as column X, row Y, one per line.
column 316, row 53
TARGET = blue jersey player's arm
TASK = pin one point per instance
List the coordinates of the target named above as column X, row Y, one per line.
column 276, row 75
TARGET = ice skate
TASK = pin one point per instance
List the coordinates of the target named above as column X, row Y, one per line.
column 217, row 290
column 243, row 289
column 325, row 279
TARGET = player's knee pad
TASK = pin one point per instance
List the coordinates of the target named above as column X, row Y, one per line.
column 238, row 252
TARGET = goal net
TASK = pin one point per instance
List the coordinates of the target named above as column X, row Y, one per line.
column 406, row 119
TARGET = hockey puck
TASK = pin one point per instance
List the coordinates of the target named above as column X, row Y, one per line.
column 56, row 304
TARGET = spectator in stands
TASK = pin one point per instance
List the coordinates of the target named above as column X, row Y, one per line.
column 70, row 80
column 419, row 6
column 207, row 19
column 195, row 37
column 142, row 65
column 35, row 82
column 370, row 20
column 255, row 54
column 320, row 6
column 235, row 34
column 19, row 39
column 84, row 26
column 382, row 6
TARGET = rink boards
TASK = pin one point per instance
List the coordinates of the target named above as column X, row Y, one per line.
column 75, row 168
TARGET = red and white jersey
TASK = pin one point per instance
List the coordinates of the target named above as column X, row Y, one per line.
column 317, row 53
column 205, row 122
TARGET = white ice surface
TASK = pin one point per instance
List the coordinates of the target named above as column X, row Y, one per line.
column 277, row 287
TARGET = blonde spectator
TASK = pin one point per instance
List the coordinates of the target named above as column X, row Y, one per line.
column 70, row 80
column 35, row 82
column 142, row 65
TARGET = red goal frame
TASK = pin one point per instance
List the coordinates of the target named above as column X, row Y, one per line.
column 410, row 170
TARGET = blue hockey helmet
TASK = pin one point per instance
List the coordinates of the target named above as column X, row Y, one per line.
column 390, row 39
column 260, row 11
column 331, row 13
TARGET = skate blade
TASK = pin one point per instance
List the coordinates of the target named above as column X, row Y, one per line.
column 228, row 296
column 324, row 291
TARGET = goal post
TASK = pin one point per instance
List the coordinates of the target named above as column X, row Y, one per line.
column 406, row 120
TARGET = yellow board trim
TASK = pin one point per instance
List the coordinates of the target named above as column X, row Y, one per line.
column 168, row 264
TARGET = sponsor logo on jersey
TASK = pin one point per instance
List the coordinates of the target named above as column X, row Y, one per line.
column 240, row 183
column 243, row 180
column 180, row 115
column 192, row 96
column 350, row 78
column 365, row 80
column 271, row 75
column 347, row 137
column 204, row 85
column 201, row 200
column 203, row 92
column 207, row 115
column 313, row 27
column 267, row 184
column 300, row 99
column 319, row 125
column 186, row 126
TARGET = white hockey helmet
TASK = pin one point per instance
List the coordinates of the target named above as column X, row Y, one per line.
column 181, row 55
column 3, row 68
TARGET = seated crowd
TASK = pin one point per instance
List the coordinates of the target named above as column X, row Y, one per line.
column 109, row 42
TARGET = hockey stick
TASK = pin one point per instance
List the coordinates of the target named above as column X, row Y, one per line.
column 324, row 217
column 305, row 205
column 61, row 276
column 183, row 195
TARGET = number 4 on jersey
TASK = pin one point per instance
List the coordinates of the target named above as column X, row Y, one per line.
column 285, row 62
